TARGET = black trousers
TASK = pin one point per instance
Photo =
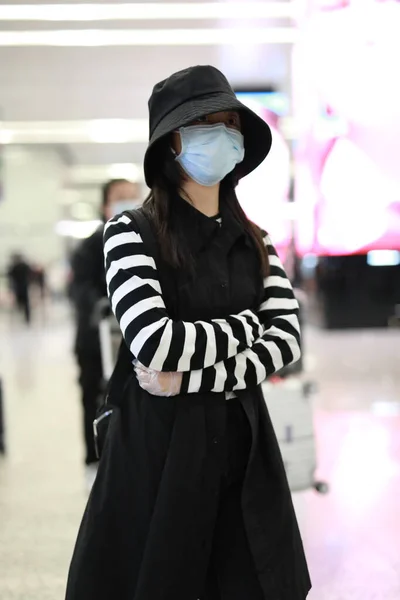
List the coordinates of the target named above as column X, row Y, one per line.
column 24, row 305
column 91, row 382
column 232, row 574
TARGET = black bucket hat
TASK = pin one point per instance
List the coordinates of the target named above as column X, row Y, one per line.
column 193, row 93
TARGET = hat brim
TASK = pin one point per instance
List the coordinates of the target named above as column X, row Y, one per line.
column 256, row 132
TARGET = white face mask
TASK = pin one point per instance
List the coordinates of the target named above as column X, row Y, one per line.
column 210, row 152
column 121, row 206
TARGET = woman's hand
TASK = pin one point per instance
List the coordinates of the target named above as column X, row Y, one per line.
column 157, row 383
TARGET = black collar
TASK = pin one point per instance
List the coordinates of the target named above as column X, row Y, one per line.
column 199, row 230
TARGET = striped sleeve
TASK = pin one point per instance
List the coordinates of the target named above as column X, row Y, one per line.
column 278, row 346
column 157, row 341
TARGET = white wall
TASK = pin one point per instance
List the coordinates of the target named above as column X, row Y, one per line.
column 33, row 182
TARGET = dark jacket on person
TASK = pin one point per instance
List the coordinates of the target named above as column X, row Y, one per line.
column 88, row 286
column 148, row 527
column 20, row 277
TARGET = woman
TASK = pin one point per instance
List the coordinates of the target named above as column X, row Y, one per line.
column 191, row 499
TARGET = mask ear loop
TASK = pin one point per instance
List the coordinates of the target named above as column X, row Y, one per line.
column 174, row 152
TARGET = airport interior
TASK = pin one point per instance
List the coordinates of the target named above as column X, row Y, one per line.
column 75, row 81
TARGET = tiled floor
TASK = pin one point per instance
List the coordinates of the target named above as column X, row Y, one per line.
column 352, row 535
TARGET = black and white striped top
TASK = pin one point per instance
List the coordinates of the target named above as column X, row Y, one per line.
column 221, row 355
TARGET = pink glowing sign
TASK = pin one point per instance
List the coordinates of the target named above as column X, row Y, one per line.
column 347, row 102
column 264, row 193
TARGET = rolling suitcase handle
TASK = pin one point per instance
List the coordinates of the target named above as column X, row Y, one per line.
column 106, row 346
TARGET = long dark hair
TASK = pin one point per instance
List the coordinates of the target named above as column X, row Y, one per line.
column 166, row 184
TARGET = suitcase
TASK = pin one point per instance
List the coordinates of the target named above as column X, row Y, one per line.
column 2, row 424
column 109, row 334
column 289, row 405
column 110, row 340
column 110, row 343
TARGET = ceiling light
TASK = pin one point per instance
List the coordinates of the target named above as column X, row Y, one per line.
column 150, row 37
column 6, row 136
column 105, row 131
column 111, row 131
column 97, row 174
column 149, row 11
column 102, row 131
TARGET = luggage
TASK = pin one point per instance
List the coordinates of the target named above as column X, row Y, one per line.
column 110, row 341
column 110, row 348
column 289, row 405
column 2, row 425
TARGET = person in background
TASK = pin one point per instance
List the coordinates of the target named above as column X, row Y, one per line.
column 88, row 287
column 20, row 277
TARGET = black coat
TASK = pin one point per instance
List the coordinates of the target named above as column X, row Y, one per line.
column 87, row 288
column 20, row 278
column 147, row 530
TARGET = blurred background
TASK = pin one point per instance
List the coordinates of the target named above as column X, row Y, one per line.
column 74, row 83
